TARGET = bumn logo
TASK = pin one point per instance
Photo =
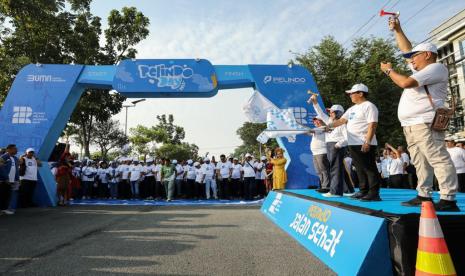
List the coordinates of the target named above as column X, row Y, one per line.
column 43, row 78
column 22, row 115
column 173, row 76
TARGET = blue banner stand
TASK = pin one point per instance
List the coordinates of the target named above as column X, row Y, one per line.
column 348, row 242
column 43, row 97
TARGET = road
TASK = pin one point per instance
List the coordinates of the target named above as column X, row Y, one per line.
column 148, row 240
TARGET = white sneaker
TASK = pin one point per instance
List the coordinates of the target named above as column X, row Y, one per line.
column 9, row 212
column 329, row 194
column 348, row 194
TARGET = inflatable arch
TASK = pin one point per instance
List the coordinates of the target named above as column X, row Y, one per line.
column 43, row 96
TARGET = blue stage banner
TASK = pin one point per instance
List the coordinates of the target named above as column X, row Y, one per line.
column 349, row 243
column 177, row 76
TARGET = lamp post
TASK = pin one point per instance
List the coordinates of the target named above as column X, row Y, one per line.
column 126, row 121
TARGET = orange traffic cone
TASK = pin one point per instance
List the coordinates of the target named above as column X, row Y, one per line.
column 433, row 257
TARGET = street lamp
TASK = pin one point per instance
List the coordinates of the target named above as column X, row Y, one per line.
column 126, row 121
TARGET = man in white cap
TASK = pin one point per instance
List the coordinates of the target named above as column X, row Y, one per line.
column 149, row 179
column 236, row 176
column 361, row 120
column 189, row 174
column 249, row 177
column 424, row 91
column 208, row 171
column 260, row 177
column 223, row 171
column 135, row 177
column 179, row 177
column 28, row 166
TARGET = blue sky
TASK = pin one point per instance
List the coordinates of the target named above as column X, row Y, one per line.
column 252, row 32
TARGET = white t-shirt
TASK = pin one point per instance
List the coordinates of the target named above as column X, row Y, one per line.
column 102, row 175
column 384, row 167
column 77, row 172
column 260, row 166
column 124, row 169
column 358, row 117
column 414, row 105
column 158, row 171
column 405, row 159
column 248, row 169
column 224, row 168
column 458, row 158
column 149, row 170
column 198, row 174
column 318, row 144
column 396, row 166
column 88, row 173
column 12, row 173
column 338, row 134
column 113, row 174
column 179, row 171
column 136, row 172
column 208, row 170
column 31, row 169
column 236, row 171
column 190, row 172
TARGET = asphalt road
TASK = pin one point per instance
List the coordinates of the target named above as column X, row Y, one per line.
column 139, row 240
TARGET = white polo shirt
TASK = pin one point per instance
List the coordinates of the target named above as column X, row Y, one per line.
column 208, row 170
column 318, row 143
column 198, row 174
column 190, row 172
column 158, row 171
column 31, row 169
column 136, row 172
column 396, row 166
column 358, row 117
column 236, row 171
column 414, row 106
column 248, row 169
column 260, row 166
column 458, row 158
column 224, row 168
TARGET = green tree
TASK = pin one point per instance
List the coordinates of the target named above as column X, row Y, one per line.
column 336, row 69
column 144, row 139
column 174, row 134
column 248, row 133
column 107, row 135
column 182, row 151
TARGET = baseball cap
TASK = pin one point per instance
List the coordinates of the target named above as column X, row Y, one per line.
column 422, row 47
column 450, row 138
column 235, row 158
column 248, row 155
column 189, row 161
column 149, row 160
column 359, row 87
column 174, row 161
column 206, row 159
column 135, row 160
column 338, row 107
column 30, row 150
column 263, row 158
column 196, row 164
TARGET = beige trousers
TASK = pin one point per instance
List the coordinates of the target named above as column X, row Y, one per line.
column 428, row 153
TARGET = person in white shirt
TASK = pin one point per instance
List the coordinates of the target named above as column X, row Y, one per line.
column 135, row 176
column 385, row 160
column 336, row 142
column 190, row 179
column 208, row 171
column 424, row 91
column 361, row 120
column 124, row 187
column 396, row 168
column 236, row 175
column 319, row 150
column 223, row 171
column 112, row 175
column 159, row 189
column 457, row 155
column 249, row 176
column 102, row 180
column 260, row 177
column 88, row 179
column 179, row 178
column 28, row 181
column 149, row 179
column 198, row 191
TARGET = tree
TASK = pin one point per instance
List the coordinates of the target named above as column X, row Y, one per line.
column 182, row 151
column 248, row 133
column 107, row 135
column 336, row 69
column 143, row 139
column 174, row 134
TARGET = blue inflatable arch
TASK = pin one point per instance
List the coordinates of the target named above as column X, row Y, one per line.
column 43, row 97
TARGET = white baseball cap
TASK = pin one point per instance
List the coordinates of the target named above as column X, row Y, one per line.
column 248, row 155
column 206, row 159
column 149, row 160
column 30, row 150
column 359, row 87
column 422, row 47
column 174, row 161
column 337, row 107
column 196, row 164
column 263, row 158
column 189, row 161
column 135, row 159
column 235, row 158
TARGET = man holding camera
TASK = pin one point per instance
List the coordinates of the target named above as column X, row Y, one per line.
column 424, row 91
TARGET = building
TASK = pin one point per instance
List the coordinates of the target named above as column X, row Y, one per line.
column 449, row 37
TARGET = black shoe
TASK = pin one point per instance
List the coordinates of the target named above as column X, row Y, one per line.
column 446, row 206
column 322, row 190
column 416, row 201
column 358, row 195
column 370, row 198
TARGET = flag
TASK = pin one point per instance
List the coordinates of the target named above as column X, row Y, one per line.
column 257, row 107
column 281, row 123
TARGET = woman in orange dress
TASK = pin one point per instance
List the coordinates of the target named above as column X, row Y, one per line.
column 279, row 171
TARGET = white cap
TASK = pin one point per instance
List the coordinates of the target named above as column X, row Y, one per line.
column 450, row 138
column 174, row 161
column 135, row 159
column 206, row 159
column 359, row 87
column 149, row 160
column 196, row 164
column 189, row 161
column 248, row 155
column 263, row 158
column 422, row 47
column 30, row 150
column 235, row 158
column 338, row 107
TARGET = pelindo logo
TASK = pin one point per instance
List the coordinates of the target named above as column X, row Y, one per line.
column 22, row 115
column 173, row 76
column 283, row 80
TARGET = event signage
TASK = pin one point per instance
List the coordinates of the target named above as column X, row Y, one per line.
column 342, row 239
column 165, row 76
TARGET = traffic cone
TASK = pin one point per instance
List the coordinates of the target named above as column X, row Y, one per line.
column 433, row 257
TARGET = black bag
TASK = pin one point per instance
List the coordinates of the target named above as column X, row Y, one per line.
column 442, row 115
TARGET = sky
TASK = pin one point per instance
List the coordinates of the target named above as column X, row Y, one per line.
column 253, row 32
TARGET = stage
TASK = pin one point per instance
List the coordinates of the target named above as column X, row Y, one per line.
column 362, row 238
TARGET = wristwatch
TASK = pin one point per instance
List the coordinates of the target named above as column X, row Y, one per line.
column 388, row 71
